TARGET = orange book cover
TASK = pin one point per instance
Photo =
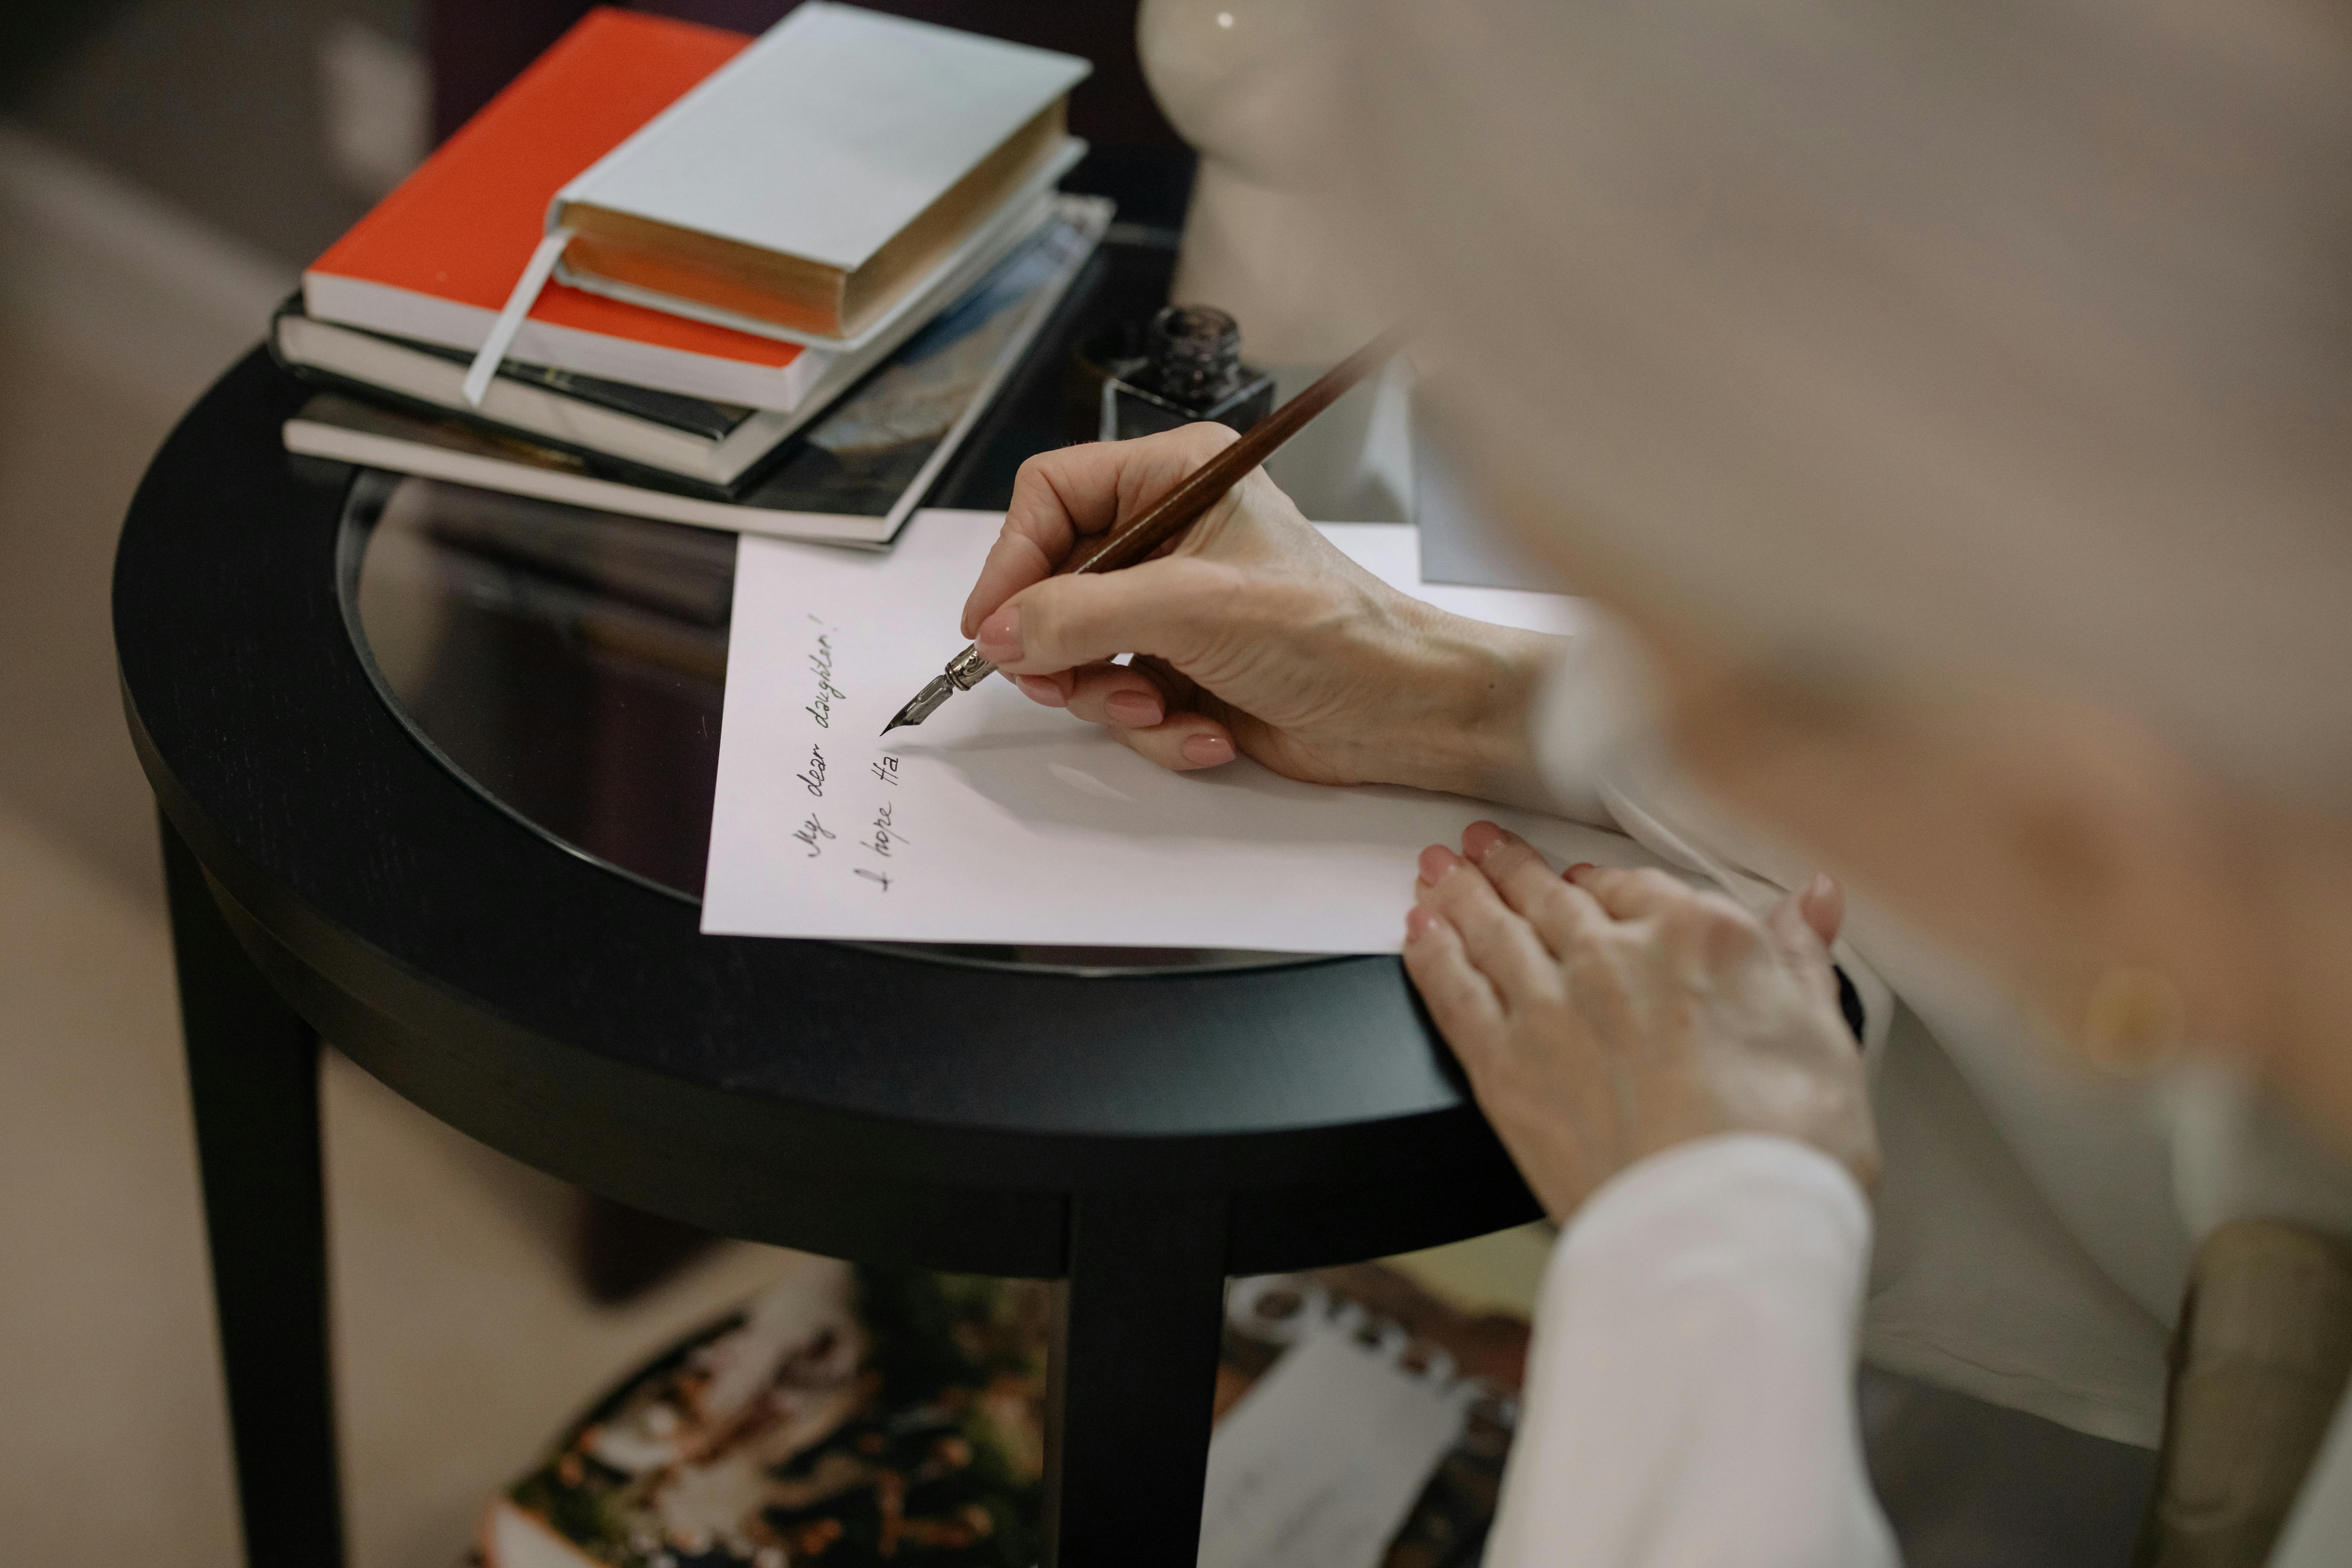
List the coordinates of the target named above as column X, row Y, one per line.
column 438, row 258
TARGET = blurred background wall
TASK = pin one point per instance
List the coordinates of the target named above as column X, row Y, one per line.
column 166, row 169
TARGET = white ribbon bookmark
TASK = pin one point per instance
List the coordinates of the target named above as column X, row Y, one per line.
column 511, row 320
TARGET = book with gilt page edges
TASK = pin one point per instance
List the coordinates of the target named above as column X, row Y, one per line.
column 437, row 259
column 812, row 186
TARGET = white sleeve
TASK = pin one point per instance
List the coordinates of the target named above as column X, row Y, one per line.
column 1690, row 1395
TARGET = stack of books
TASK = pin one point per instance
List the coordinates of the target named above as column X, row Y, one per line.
column 787, row 273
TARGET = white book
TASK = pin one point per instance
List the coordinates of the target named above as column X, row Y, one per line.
column 851, row 478
column 536, row 404
column 822, row 144
column 990, row 239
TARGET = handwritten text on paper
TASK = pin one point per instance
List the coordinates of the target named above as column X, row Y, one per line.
column 882, row 838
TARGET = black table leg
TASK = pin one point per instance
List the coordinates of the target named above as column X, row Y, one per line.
column 253, row 1076
column 1136, row 1328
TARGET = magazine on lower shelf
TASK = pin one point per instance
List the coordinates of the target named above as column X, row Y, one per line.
column 862, row 1416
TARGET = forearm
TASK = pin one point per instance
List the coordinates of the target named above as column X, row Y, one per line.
column 1690, row 1397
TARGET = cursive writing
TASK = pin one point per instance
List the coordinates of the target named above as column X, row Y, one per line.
column 874, row 877
column 820, row 666
column 886, row 770
column 883, row 838
column 815, row 777
column 809, row 832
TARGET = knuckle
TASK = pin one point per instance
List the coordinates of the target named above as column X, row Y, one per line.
column 1045, row 622
column 1032, row 469
column 1611, row 882
column 1079, row 618
column 1443, row 972
column 1581, row 945
column 1014, row 561
column 1454, row 890
column 1715, row 925
column 1152, row 748
column 1595, row 966
column 1029, row 484
column 1448, row 975
column 1180, row 606
column 1471, row 904
column 1542, row 894
column 1203, row 438
column 1681, row 921
column 1039, row 486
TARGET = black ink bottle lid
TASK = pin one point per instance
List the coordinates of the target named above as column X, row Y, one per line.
column 1196, row 354
column 1184, row 365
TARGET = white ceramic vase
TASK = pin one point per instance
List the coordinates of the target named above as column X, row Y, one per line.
column 1245, row 82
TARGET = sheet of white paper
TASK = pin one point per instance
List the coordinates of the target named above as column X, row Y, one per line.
column 1320, row 1463
column 1002, row 821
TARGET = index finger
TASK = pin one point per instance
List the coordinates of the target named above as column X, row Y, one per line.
column 1561, row 912
column 1061, row 497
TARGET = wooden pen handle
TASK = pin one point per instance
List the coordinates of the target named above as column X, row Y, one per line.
column 1204, row 486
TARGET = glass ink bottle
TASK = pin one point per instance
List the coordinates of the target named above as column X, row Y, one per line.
column 1189, row 368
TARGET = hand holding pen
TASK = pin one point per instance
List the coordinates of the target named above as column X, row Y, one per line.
column 1137, row 538
column 1254, row 635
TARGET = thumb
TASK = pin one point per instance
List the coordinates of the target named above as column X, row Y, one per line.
column 1823, row 903
column 1807, row 920
column 1171, row 607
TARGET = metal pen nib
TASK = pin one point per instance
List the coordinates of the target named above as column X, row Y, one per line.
column 964, row 672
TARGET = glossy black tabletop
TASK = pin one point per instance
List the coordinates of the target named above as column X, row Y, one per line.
column 571, row 664
column 448, row 759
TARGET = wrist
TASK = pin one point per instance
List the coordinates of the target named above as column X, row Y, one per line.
column 1468, row 730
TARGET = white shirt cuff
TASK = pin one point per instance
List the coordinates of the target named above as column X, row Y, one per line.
column 1701, row 1185
column 1690, row 1394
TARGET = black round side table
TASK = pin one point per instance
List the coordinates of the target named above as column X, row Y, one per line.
column 430, row 775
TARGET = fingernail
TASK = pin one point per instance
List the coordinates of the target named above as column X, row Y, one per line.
column 1822, row 887
column 1479, row 840
column 1417, row 923
column 1436, row 861
column 1138, row 708
column 1573, row 872
column 1208, row 751
column 1040, row 690
column 999, row 635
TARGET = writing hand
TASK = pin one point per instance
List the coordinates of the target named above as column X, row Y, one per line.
column 1610, row 1014
column 1253, row 636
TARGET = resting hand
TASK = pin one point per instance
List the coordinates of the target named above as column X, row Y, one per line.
column 1253, row 636
column 1610, row 1014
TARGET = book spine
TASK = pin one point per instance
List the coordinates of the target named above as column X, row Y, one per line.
column 602, row 464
